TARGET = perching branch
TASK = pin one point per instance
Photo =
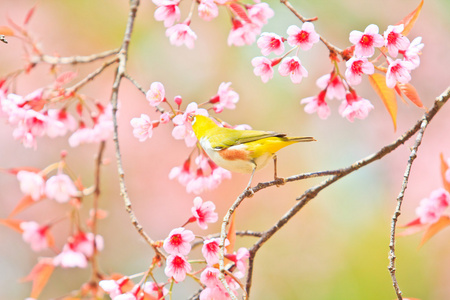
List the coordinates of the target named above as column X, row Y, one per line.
column 72, row 60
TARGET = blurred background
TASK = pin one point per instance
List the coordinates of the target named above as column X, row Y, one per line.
column 336, row 247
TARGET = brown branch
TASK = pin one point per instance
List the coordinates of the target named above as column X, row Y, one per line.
column 91, row 76
column 120, row 73
column 77, row 59
column 337, row 174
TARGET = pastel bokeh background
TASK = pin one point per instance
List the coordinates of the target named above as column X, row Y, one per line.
column 337, row 246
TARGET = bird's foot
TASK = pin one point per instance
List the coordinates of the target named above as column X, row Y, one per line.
column 279, row 181
column 249, row 192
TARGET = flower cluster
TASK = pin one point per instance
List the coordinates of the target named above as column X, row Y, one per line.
column 431, row 209
column 247, row 20
column 32, row 116
column 200, row 173
column 298, row 38
column 341, row 87
column 178, row 246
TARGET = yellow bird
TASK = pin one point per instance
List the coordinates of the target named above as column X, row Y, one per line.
column 241, row 151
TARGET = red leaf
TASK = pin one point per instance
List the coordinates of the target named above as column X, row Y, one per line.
column 239, row 11
column 410, row 19
column 64, row 78
column 410, row 92
column 40, row 274
column 378, row 82
column 231, row 236
column 14, row 171
column 5, row 30
column 29, row 15
column 25, row 202
column 444, row 168
column 12, row 223
column 412, row 223
column 434, row 228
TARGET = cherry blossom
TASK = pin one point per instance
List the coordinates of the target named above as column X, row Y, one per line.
column 167, row 11
column 242, row 33
column 292, row 66
column 182, row 173
column 70, row 258
column 317, row 104
column 365, row 42
column 431, row 209
column 180, row 34
column 356, row 67
column 240, row 259
column 259, row 13
column 60, row 188
column 210, row 250
column 398, row 71
column 158, row 291
column 164, row 118
column 178, row 241
column 177, row 266
column 394, row 40
column 204, row 212
column 207, row 10
column 226, row 98
column 210, row 277
column 355, row 107
column 113, row 287
column 57, row 117
column 31, row 184
column 334, row 87
column 304, row 37
column 35, row 235
column 84, row 243
column 142, row 127
column 183, row 128
column 270, row 42
column 156, row 94
column 412, row 53
column 263, row 67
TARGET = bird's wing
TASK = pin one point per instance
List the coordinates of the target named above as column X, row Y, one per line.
column 226, row 137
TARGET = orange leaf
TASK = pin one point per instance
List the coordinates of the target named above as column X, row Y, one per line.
column 410, row 19
column 239, row 11
column 414, row 222
column 5, row 30
column 378, row 82
column 231, row 236
column 29, row 15
column 40, row 274
column 410, row 91
column 12, row 223
column 25, row 202
column 444, row 168
column 434, row 228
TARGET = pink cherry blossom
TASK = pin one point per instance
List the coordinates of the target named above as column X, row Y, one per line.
column 199, row 183
column 412, row 53
column 394, row 40
column 226, row 98
column 259, row 13
column 164, row 118
column 355, row 107
column 335, row 88
column 317, row 104
column 243, row 33
column 177, row 266
column 431, row 209
column 263, row 67
column 207, row 10
column 69, row 258
column 292, row 66
column 182, row 173
column 60, row 116
column 365, row 42
column 204, row 212
column 210, row 250
column 31, row 184
column 356, row 67
column 180, row 34
column 270, row 42
column 210, row 277
column 178, row 241
column 156, row 94
column 304, row 37
column 240, row 259
column 142, row 127
column 126, row 296
column 158, row 291
column 398, row 71
column 84, row 243
column 35, row 235
column 183, row 128
column 167, row 11
column 60, row 188
column 111, row 287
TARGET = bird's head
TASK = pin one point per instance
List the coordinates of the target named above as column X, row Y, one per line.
column 201, row 124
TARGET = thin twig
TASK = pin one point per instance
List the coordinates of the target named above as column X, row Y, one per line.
column 91, row 76
column 338, row 174
column 77, row 59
